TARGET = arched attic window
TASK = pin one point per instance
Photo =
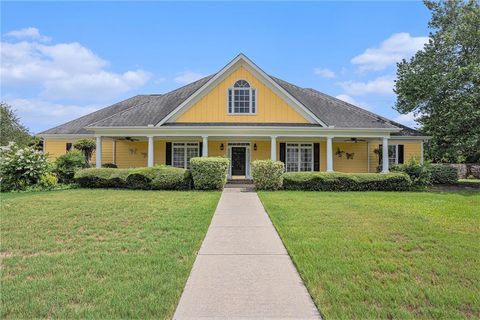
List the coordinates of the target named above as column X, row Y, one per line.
column 242, row 98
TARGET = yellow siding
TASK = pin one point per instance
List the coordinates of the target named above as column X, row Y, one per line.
column 55, row 148
column 214, row 149
column 263, row 150
column 130, row 154
column 357, row 164
column 323, row 156
column 213, row 106
column 159, row 152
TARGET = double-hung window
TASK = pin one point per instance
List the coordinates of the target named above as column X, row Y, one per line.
column 242, row 98
column 393, row 154
column 182, row 152
column 299, row 157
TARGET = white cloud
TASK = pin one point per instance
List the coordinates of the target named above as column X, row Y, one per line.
column 27, row 33
column 380, row 85
column 397, row 47
column 101, row 85
column 188, row 77
column 324, row 72
column 348, row 99
column 37, row 113
column 407, row 120
column 65, row 71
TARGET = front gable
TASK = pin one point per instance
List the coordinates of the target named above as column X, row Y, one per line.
column 209, row 103
column 269, row 106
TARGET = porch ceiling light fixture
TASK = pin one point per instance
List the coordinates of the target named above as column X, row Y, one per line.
column 255, row 147
column 221, row 146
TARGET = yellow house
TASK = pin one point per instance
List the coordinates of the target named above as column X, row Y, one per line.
column 244, row 114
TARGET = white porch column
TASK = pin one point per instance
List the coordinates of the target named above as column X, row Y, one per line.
column 150, row 151
column 205, row 146
column 98, row 152
column 421, row 150
column 114, row 151
column 385, row 155
column 368, row 156
column 329, row 154
column 273, row 148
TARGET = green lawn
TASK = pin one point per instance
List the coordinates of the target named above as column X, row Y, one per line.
column 99, row 253
column 384, row 255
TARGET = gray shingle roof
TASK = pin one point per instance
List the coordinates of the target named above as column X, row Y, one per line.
column 340, row 114
column 143, row 110
column 332, row 111
column 153, row 110
column 77, row 126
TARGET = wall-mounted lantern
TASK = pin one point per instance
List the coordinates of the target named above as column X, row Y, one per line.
column 255, row 146
column 221, row 146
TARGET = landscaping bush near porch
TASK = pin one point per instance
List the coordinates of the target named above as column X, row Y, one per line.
column 154, row 178
column 209, row 173
column 267, row 174
column 326, row 181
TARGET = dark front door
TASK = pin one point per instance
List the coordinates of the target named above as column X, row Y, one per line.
column 238, row 161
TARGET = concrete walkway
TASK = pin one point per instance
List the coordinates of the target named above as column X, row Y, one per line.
column 242, row 269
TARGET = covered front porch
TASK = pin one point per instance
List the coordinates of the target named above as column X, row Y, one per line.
column 299, row 151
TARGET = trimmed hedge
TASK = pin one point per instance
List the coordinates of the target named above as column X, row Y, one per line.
column 443, row 174
column 154, row 178
column 209, row 173
column 267, row 174
column 335, row 181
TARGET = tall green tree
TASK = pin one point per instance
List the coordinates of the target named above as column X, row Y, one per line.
column 11, row 129
column 441, row 83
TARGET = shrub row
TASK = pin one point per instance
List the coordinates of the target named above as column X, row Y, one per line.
column 267, row 174
column 444, row 174
column 154, row 178
column 329, row 181
column 205, row 174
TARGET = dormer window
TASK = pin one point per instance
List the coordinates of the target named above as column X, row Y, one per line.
column 242, row 98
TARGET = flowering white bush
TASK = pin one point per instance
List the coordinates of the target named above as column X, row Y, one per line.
column 21, row 167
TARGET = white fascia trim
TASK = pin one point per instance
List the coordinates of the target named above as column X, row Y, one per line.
column 315, row 132
column 221, row 74
column 410, row 138
column 150, row 130
column 65, row 136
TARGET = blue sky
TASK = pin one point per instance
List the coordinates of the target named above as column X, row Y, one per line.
column 62, row 60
